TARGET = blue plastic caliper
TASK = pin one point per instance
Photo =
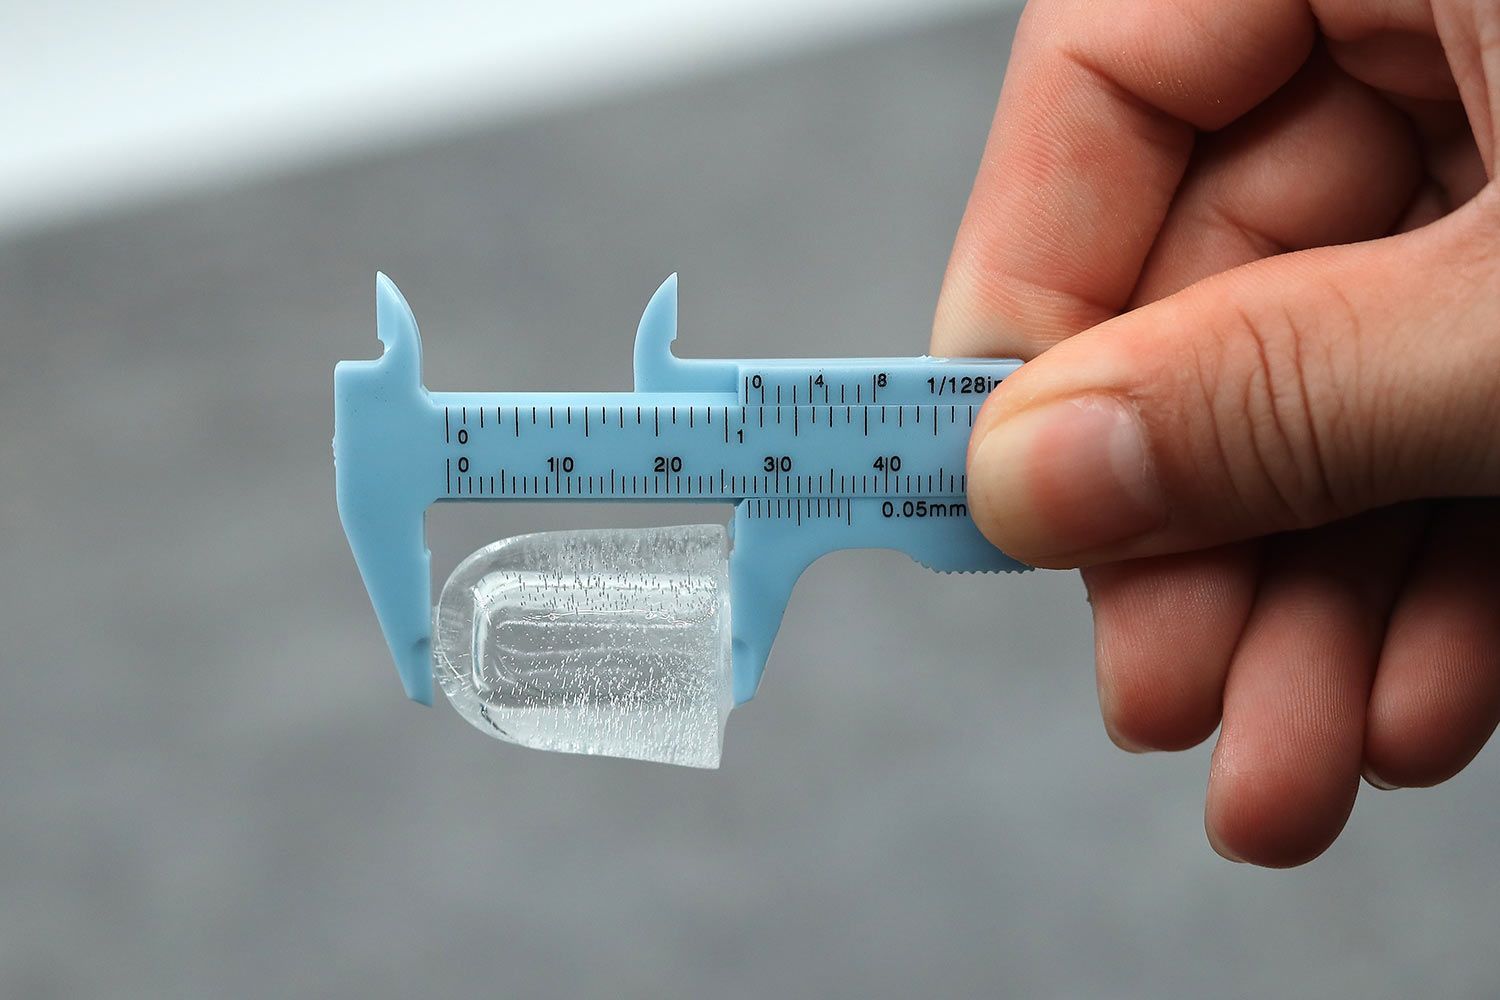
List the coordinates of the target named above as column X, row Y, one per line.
column 816, row 456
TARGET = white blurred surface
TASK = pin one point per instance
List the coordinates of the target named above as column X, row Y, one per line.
column 108, row 102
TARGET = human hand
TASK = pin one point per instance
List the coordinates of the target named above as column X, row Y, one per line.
column 1254, row 248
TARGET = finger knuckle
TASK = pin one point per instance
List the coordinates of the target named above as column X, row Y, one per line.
column 1277, row 396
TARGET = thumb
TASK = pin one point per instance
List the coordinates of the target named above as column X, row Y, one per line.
column 1284, row 394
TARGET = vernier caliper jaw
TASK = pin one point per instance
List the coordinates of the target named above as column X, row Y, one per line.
column 816, row 456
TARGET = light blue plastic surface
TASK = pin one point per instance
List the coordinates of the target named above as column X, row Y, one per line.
column 821, row 424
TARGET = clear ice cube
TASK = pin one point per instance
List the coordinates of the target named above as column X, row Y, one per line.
column 612, row 642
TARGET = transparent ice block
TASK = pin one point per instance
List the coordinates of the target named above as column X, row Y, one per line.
column 611, row 642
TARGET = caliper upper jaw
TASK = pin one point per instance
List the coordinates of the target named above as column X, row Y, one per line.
column 383, row 423
column 657, row 369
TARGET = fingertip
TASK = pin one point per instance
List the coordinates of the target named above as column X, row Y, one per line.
column 1123, row 742
column 1286, row 769
column 1273, row 823
column 1064, row 477
column 1220, row 848
column 1141, row 727
column 1164, row 630
column 1436, row 696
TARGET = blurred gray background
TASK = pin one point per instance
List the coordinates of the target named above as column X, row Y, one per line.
column 211, row 785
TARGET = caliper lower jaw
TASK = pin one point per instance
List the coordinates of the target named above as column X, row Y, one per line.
column 382, row 421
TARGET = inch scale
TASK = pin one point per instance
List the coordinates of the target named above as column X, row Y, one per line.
column 817, row 455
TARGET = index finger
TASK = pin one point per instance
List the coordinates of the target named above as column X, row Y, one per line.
column 1094, row 129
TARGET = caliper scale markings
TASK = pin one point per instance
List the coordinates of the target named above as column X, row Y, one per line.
column 603, row 449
